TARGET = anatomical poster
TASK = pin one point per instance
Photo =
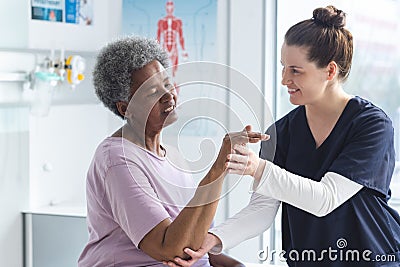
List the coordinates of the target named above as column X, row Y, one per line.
column 187, row 29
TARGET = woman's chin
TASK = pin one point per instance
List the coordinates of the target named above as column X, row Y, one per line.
column 171, row 118
column 295, row 101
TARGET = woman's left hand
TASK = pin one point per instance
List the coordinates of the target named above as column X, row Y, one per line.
column 209, row 242
column 245, row 162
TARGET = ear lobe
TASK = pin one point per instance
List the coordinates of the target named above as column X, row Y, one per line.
column 122, row 107
column 332, row 70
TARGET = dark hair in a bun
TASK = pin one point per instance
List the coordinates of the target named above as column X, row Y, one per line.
column 330, row 17
column 325, row 38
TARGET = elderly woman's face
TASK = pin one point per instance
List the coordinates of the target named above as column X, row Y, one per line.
column 153, row 104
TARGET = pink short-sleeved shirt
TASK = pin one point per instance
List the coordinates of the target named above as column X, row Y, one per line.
column 129, row 191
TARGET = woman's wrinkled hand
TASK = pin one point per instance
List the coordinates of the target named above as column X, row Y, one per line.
column 243, row 137
column 209, row 242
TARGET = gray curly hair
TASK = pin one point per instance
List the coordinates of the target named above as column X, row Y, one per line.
column 112, row 74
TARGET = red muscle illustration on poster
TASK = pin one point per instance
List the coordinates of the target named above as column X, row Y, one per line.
column 169, row 28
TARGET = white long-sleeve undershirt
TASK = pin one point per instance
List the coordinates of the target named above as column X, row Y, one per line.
column 252, row 220
column 278, row 185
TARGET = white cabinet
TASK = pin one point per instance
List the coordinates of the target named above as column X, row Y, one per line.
column 53, row 240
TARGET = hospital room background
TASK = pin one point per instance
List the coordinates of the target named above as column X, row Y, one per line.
column 51, row 120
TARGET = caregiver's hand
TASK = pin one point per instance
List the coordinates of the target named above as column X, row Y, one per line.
column 245, row 162
column 236, row 138
column 209, row 242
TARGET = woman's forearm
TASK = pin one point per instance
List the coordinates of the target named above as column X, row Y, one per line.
column 193, row 222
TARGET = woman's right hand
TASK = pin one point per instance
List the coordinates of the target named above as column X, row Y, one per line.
column 209, row 242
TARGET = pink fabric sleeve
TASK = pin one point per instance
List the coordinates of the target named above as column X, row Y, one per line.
column 133, row 202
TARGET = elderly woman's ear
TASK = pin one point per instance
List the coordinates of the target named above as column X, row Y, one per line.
column 122, row 107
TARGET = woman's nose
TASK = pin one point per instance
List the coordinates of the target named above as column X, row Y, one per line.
column 167, row 96
column 283, row 81
column 285, row 78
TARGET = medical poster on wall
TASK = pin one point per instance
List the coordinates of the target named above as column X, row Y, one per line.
column 188, row 32
column 72, row 9
column 187, row 29
column 85, row 14
column 78, row 12
column 49, row 10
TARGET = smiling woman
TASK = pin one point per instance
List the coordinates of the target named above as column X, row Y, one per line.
column 375, row 72
column 142, row 209
column 153, row 101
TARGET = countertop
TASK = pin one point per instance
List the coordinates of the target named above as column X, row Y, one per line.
column 59, row 210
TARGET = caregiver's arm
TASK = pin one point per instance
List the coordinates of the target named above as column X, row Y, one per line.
column 168, row 239
column 318, row 198
column 251, row 221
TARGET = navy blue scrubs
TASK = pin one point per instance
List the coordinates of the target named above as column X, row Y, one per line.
column 360, row 147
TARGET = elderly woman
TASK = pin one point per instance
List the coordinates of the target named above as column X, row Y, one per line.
column 135, row 217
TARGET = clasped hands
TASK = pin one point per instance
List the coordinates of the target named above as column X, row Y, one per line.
column 242, row 160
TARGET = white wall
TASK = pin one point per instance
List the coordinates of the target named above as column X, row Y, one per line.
column 245, row 46
column 14, row 160
column 62, row 145
column 14, row 193
column 14, row 18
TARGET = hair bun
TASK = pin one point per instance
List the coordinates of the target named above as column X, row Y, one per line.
column 329, row 16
